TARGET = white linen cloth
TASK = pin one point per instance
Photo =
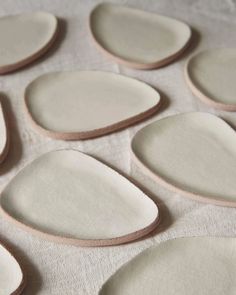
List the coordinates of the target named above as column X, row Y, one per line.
column 60, row 269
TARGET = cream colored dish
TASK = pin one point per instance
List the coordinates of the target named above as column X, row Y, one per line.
column 69, row 197
column 136, row 38
column 193, row 154
column 86, row 104
column 25, row 37
column 211, row 77
column 184, row 266
column 12, row 281
column 4, row 137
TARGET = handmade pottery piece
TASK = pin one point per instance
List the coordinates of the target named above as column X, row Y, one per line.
column 69, row 197
column 183, row 266
column 87, row 104
column 24, row 38
column 136, row 38
column 12, row 281
column 4, row 138
column 211, row 77
column 193, row 154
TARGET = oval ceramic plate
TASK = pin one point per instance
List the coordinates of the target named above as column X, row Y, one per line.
column 12, row 281
column 137, row 38
column 193, row 154
column 69, row 197
column 86, row 104
column 4, row 138
column 184, row 266
column 211, row 77
column 28, row 36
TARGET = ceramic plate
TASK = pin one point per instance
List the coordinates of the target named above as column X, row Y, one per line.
column 86, row 104
column 211, row 77
column 137, row 38
column 12, row 281
column 69, row 197
column 28, row 36
column 193, row 153
column 184, row 266
column 4, row 138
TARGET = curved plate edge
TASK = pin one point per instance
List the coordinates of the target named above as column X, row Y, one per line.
column 203, row 97
column 22, row 285
column 196, row 197
column 135, row 65
column 96, row 132
column 13, row 67
column 89, row 242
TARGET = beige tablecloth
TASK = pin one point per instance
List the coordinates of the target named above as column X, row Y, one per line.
column 60, row 269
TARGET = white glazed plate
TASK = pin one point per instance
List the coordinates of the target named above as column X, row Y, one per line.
column 211, row 77
column 28, row 36
column 193, row 154
column 136, row 38
column 12, row 281
column 69, row 197
column 184, row 266
column 4, row 136
column 86, row 104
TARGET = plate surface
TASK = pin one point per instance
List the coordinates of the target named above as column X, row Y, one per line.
column 193, row 154
column 137, row 38
column 86, row 104
column 29, row 35
column 69, row 197
column 4, row 138
column 11, row 275
column 211, row 77
column 184, row 266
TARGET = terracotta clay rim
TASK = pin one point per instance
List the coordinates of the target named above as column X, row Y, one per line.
column 22, row 285
column 13, row 67
column 199, row 94
column 137, row 65
column 89, row 242
column 194, row 196
column 96, row 132
column 7, row 144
